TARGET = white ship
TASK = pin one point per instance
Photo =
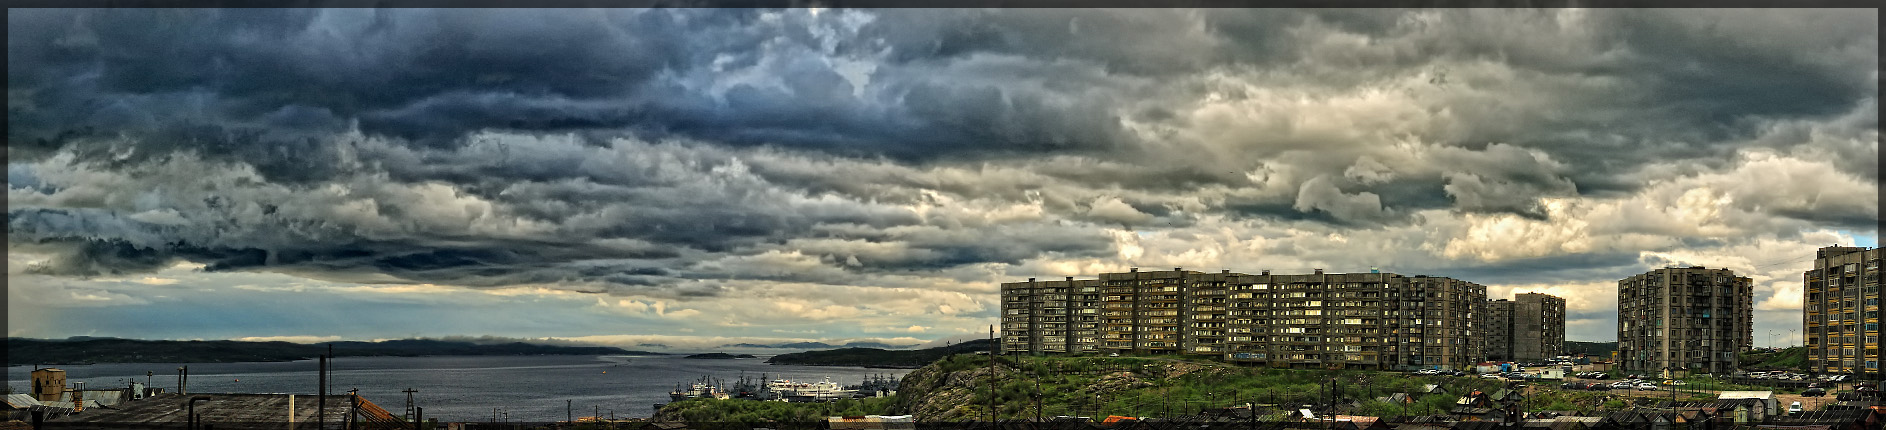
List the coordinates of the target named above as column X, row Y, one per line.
column 823, row 391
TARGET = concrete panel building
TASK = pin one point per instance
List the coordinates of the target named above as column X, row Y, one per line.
column 1684, row 319
column 1841, row 311
column 1529, row 328
column 1318, row 320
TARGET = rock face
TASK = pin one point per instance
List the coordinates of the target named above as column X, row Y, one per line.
column 936, row 393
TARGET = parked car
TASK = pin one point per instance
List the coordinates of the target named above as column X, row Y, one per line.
column 1600, row 387
column 1814, row 392
column 1794, row 408
column 1646, row 387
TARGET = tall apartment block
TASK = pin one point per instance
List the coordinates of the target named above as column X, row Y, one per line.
column 1692, row 318
column 1338, row 320
column 1529, row 328
column 1842, row 311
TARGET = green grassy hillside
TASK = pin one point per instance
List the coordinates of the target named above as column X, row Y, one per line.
column 1793, row 359
column 967, row 387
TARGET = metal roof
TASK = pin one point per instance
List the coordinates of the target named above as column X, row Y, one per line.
column 1747, row 395
column 22, row 401
column 225, row 410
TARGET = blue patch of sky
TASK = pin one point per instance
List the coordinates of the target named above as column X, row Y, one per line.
column 1869, row 239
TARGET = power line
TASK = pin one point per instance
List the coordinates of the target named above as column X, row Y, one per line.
column 1797, row 260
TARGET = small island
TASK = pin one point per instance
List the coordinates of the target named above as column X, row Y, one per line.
column 719, row 356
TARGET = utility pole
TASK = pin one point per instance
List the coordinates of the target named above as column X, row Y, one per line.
column 320, row 414
column 993, row 351
column 1037, row 398
column 409, row 402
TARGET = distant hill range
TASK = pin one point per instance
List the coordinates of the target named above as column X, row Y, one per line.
column 718, row 356
column 878, row 357
column 1592, row 348
column 88, row 350
column 813, row 345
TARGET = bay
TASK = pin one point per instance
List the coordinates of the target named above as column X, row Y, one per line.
column 466, row 388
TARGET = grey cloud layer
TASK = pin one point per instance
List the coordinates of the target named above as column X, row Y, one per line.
column 638, row 150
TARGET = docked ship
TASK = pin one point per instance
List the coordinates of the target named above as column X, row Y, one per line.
column 823, row 391
column 876, row 386
column 703, row 389
column 753, row 389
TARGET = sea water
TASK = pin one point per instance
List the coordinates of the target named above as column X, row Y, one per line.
column 465, row 388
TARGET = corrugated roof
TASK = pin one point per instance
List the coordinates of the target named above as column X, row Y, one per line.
column 170, row 409
column 1747, row 395
column 21, row 401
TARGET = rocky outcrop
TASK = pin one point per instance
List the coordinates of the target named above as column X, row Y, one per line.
column 946, row 390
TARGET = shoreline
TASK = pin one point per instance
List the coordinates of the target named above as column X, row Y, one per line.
column 336, row 356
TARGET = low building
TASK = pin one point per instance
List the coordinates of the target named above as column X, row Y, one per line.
column 48, row 384
column 871, row 422
column 1763, row 403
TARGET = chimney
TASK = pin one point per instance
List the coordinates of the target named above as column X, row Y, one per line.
column 1133, row 270
column 1031, row 280
column 1267, row 272
column 1225, row 271
column 1070, row 281
column 1178, row 269
column 1319, row 271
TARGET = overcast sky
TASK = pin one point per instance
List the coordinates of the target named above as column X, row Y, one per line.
column 694, row 178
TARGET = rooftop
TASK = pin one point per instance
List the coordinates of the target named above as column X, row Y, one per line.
column 225, row 410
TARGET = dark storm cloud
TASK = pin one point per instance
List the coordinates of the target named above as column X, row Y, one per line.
column 620, row 148
column 1542, row 270
column 431, row 76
